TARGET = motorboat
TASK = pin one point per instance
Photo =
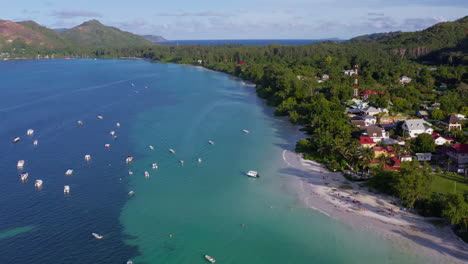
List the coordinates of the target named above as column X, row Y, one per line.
column 155, row 166
column 147, row 174
column 211, row 142
column 107, row 145
column 199, row 160
column 97, row 236
column 112, row 133
column 16, row 139
column 100, row 117
column 38, row 184
column 20, row 164
column 87, row 157
column 151, row 147
column 130, row 193
column 69, row 172
column 117, row 124
column 30, row 132
column 172, row 151
column 253, row 174
column 80, row 123
column 210, row 259
column 130, row 172
column 24, row 176
column 181, row 162
column 129, row 261
column 129, row 159
column 66, row 189
column 35, row 142
column 245, row 131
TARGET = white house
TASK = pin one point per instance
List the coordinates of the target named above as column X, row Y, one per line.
column 405, row 79
column 376, row 133
column 369, row 120
column 417, row 126
column 370, row 110
column 423, row 156
column 441, row 140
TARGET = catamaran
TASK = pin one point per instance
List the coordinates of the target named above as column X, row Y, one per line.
column 24, row 176
column 155, row 166
column 38, row 184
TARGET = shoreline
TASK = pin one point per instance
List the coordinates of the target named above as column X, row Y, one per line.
column 319, row 189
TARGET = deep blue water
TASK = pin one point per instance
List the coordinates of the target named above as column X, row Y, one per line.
column 247, row 42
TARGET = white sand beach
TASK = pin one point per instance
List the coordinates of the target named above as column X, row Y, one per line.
column 319, row 189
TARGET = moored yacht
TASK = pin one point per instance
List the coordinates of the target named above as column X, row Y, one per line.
column 181, row 162
column 210, row 259
column 16, row 139
column 107, row 145
column 97, row 236
column 130, row 172
column 38, row 184
column 112, row 133
column 155, row 165
column 151, row 147
column 20, row 164
column 100, row 117
column 129, row 159
column 211, row 142
column 87, row 157
column 66, row 189
column 253, row 174
column 130, row 193
column 199, row 160
column 69, row 172
column 30, row 132
column 245, row 131
column 117, row 124
column 172, row 151
column 24, row 176
column 129, row 261
column 35, row 143
column 147, row 174
column 80, row 123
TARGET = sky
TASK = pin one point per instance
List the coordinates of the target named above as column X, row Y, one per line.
column 241, row 19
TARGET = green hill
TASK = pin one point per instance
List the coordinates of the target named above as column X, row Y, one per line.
column 93, row 33
column 51, row 37
column 154, row 38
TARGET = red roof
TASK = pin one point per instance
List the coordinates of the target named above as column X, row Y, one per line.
column 383, row 148
column 366, row 140
column 369, row 92
column 460, row 148
column 240, row 63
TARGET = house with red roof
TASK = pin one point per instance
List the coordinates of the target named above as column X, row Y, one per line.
column 366, row 142
column 393, row 164
column 365, row 94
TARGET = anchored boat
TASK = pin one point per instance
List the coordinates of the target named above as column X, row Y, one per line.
column 245, row 131
column 30, row 132
column 16, row 139
column 129, row 159
column 100, row 117
column 97, row 236
column 253, row 174
column 24, row 176
column 38, row 184
column 172, row 151
column 35, row 142
column 155, row 165
column 211, row 142
column 66, row 189
column 20, row 164
column 210, row 259
column 147, row 174
column 69, row 172
column 87, row 157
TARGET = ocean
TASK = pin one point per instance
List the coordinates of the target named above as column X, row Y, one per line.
column 182, row 211
column 247, row 42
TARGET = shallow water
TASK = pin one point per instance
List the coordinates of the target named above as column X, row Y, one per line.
column 179, row 213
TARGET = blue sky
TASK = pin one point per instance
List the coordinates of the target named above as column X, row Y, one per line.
column 241, row 19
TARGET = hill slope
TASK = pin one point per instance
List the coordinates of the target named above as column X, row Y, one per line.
column 154, row 38
column 29, row 33
column 93, row 33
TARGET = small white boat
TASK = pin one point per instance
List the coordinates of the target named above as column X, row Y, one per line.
column 100, row 117
column 20, row 164
column 210, row 259
column 97, row 236
column 211, row 142
column 80, row 123
column 38, row 184
column 35, row 143
column 16, row 139
column 245, row 131
column 87, row 157
column 172, row 151
column 107, row 145
column 130, row 172
column 30, row 132
column 155, row 166
column 129, row 159
column 151, row 147
column 129, row 261
column 69, row 172
column 199, row 160
column 117, row 124
column 253, row 174
column 112, row 133
column 66, row 189
column 130, row 193
column 181, row 162
column 147, row 174
column 24, row 176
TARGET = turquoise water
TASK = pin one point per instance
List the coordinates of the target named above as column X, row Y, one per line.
column 179, row 213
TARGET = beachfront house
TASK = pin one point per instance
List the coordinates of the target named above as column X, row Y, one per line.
column 414, row 127
column 376, row 133
column 404, row 79
column 423, row 156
